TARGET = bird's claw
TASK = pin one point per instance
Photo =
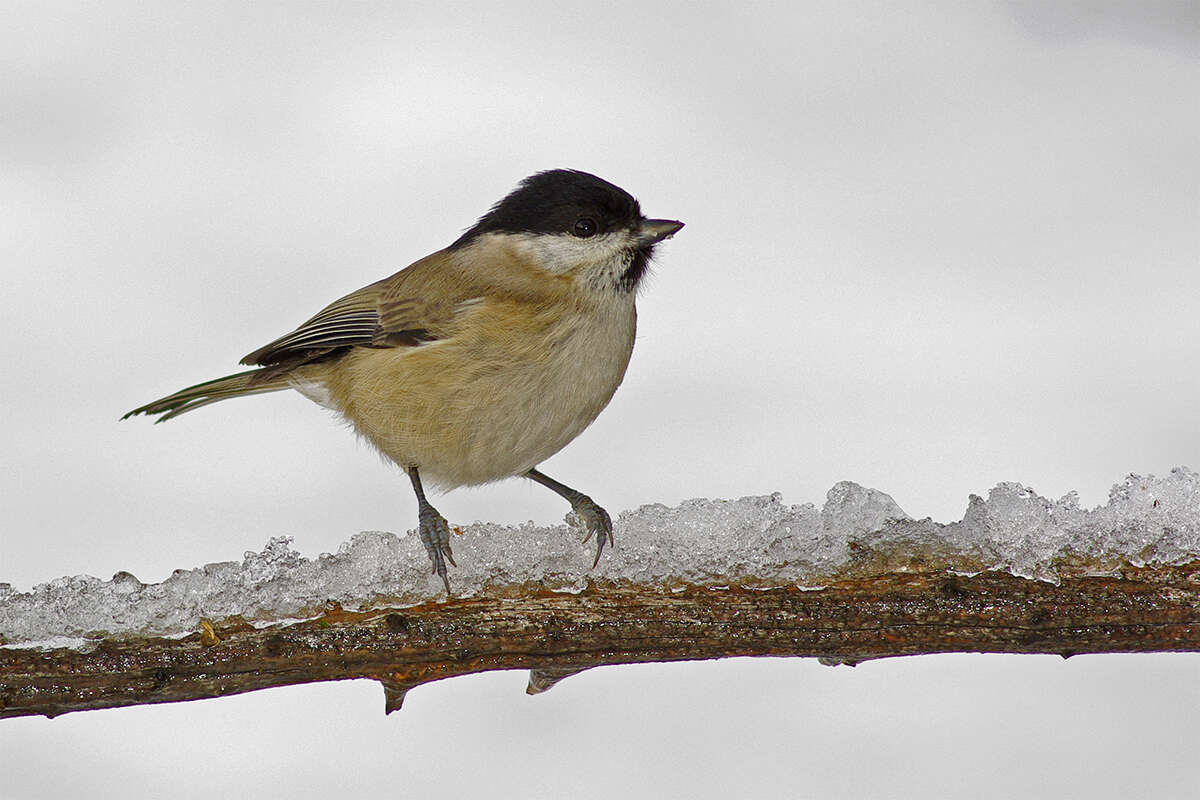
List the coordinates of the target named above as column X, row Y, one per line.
column 435, row 535
column 596, row 522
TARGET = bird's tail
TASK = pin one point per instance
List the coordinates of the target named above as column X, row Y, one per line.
column 255, row 381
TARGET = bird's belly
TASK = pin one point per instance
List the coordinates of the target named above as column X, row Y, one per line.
column 473, row 410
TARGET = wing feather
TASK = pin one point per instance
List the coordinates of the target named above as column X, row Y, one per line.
column 413, row 307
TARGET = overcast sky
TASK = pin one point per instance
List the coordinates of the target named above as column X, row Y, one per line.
column 927, row 250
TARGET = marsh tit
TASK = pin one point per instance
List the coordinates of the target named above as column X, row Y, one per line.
column 482, row 360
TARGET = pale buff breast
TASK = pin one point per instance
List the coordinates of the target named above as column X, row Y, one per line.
column 476, row 407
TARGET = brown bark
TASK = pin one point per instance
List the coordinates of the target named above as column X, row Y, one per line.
column 906, row 613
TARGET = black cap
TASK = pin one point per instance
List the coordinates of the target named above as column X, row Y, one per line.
column 553, row 201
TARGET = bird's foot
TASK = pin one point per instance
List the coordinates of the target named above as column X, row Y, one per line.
column 435, row 535
column 595, row 521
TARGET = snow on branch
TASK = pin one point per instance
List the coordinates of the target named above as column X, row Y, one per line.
column 854, row 580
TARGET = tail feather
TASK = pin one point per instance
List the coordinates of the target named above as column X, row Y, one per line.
column 255, row 381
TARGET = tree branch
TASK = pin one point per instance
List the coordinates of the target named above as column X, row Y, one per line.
column 926, row 610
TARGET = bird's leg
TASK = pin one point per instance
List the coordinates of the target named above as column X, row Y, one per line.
column 595, row 519
column 434, row 531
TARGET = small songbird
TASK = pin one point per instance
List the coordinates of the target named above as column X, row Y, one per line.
column 484, row 359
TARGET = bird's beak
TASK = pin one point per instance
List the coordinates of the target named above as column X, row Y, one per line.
column 653, row 231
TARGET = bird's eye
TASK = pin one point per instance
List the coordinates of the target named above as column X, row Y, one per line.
column 585, row 227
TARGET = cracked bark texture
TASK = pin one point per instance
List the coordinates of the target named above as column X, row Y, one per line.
column 556, row 635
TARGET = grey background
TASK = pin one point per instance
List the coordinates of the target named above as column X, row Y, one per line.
column 929, row 248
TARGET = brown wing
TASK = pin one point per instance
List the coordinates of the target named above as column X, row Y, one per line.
column 412, row 307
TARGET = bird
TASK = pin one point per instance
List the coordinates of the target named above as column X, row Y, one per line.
column 481, row 360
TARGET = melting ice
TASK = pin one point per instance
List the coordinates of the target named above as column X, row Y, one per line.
column 754, row 542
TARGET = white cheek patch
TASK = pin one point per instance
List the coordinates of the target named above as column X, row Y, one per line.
column 597, row 261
